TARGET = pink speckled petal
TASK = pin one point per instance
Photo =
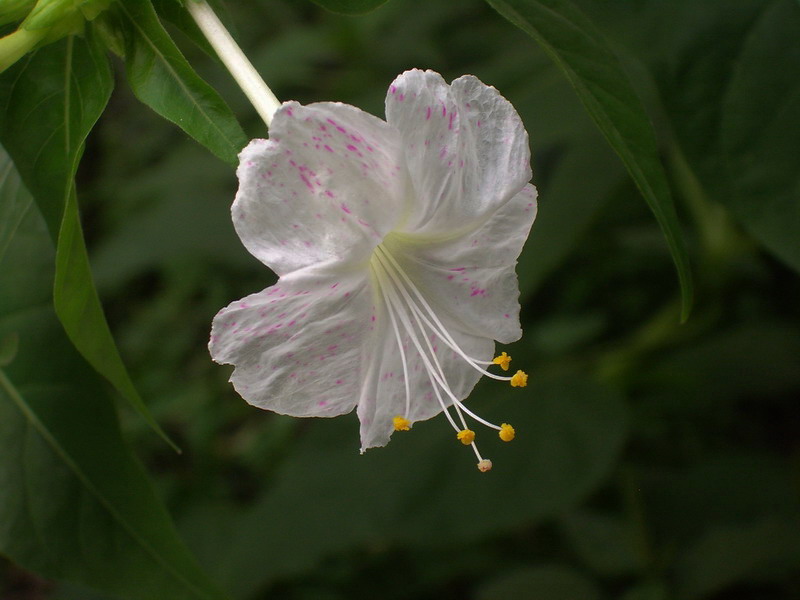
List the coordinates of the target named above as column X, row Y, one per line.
column 465, row 146
column 298, row 346
column 472, row 277
column 326, row 186
column 316, row 344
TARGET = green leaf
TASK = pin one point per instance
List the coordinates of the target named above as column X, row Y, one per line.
column 651, row 590
column 577, row 191
column 349, row 7
column 175, row 13
column 161, row 78
column 765, row 550
column 423, row 488
column 553, row 582
column 579, row 50
column 15, row 202
column 760, row 131
column 14, row 10
column 752, row 360
column 51, row 101
column 9, row 344
column 74, row 502
column 605, row 542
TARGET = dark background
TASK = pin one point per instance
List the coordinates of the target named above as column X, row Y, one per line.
column 653, row 460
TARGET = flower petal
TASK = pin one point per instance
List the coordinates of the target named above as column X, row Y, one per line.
column 383, row 394
column 298, row 345
column 327, row 185
column 472, row 277
column 317, row 344
column 465, row 146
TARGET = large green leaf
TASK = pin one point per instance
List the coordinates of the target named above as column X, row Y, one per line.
column 349, row 7
column 553, row 582
column 74, row 502
column 577, row 190
column 579, row 50
column 604, row 541
column 765, row 550
column 162, row 78
column 50, row 103
column 15, row 202
column 760, row 132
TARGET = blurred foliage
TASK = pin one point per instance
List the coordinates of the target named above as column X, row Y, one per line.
column 653, row 461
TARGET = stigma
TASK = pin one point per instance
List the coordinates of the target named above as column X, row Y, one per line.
column 412, row 316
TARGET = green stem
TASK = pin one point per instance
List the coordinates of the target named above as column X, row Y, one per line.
column 253, row 86
column 16, row 45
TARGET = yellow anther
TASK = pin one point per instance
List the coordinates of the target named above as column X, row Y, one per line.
column 502, row 360
column 485, row 465
column 467, row 436
column 401, row 423
column 506, row 432
column 519, row 379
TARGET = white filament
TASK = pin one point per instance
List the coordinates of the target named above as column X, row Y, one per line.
column 438, row 328
column 390, row 284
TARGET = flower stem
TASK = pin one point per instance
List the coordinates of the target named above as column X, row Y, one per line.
column 16, row 45
column 259, row 94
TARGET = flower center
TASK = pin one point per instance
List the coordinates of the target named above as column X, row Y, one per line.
column 411, row 314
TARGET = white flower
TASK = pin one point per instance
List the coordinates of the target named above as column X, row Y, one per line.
column 395, row 242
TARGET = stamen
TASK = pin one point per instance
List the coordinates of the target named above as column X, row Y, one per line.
column 438, row 328
column 520, row 379
column 392, row 301
column 393, row 283
column 502, row 360
column 437, row 375
column 507, row 432
column 466, row 436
